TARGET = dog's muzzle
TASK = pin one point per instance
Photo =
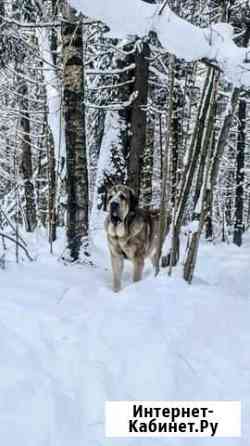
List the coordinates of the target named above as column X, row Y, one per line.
column 114, row 213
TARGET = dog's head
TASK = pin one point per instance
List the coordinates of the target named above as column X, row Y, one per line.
column 121, row 201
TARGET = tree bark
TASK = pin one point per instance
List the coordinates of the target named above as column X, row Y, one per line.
column 76, row 157
column 176, row 134
column 148, row 163
column 165, row 189
column 52, row 188
column 194, row 151
column 203, row 179
column 26, row 161
column 138, row 116
column 224, row 134
column 190, row 168
column 240, row 163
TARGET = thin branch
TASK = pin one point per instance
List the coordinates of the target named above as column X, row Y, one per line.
column 17, row 243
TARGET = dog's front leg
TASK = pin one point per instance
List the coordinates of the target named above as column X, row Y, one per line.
column 117, row 268
column 138, row 269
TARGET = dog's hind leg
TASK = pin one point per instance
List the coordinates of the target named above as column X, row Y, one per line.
column 117, row 269
column 138, row 265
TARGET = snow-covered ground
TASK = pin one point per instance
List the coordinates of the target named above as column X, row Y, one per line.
column 68, row 343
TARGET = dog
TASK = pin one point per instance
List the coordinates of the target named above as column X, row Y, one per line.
column 132, row 233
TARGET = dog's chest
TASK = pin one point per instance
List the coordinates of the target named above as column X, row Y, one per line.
column 119, row 241
column 117, row 231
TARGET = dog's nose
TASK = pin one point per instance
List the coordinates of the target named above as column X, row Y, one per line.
column 114, row 206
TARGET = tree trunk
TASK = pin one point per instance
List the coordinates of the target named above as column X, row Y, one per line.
column 148, row 163
column 206, row 127
column 26, row 162
column 2, row 11
column 223, row 136
column 138, row 116
column 203, row 179
column 165, row 189
column 191, row 166
column 240, row 162
column 176, row 134
column 41, row 177
column 52, row 188
column 194, row 151
column 190, row 262
column 171, row 258
column 76, row 159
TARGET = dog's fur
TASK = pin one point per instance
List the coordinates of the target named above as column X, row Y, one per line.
column 132, row 233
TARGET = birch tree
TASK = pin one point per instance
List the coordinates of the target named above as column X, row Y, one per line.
column 76, row 156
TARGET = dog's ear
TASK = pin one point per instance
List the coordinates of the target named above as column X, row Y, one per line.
column 133, row 200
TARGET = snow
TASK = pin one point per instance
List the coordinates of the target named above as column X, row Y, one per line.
column 124, row 18
column 192, row 227
column 68, row 344
column 178, row 36
column 52, row 82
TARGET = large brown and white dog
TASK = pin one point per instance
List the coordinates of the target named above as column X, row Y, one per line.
column 131, row 232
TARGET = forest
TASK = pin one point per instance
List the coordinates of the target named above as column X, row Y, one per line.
column 150, row 97
column 82, row 110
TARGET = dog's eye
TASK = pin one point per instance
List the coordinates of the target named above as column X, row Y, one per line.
column 122, row 197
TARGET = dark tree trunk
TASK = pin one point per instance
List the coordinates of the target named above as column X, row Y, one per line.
column 123, row 95
column 165, row 217
column 209, row 230
column 176, row 134
column 138, row 116
column 2, row 11
column 52, row 188
column 76, row 159
column 54, row 35
column 26, row 162
column 171, row 258
column 240, row 162
column 148, row 163
column 209, row 216
column 42, row 179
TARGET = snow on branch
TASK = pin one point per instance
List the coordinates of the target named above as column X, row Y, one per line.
column 214, row 45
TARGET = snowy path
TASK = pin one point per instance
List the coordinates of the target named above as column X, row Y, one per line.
column 68, row 344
